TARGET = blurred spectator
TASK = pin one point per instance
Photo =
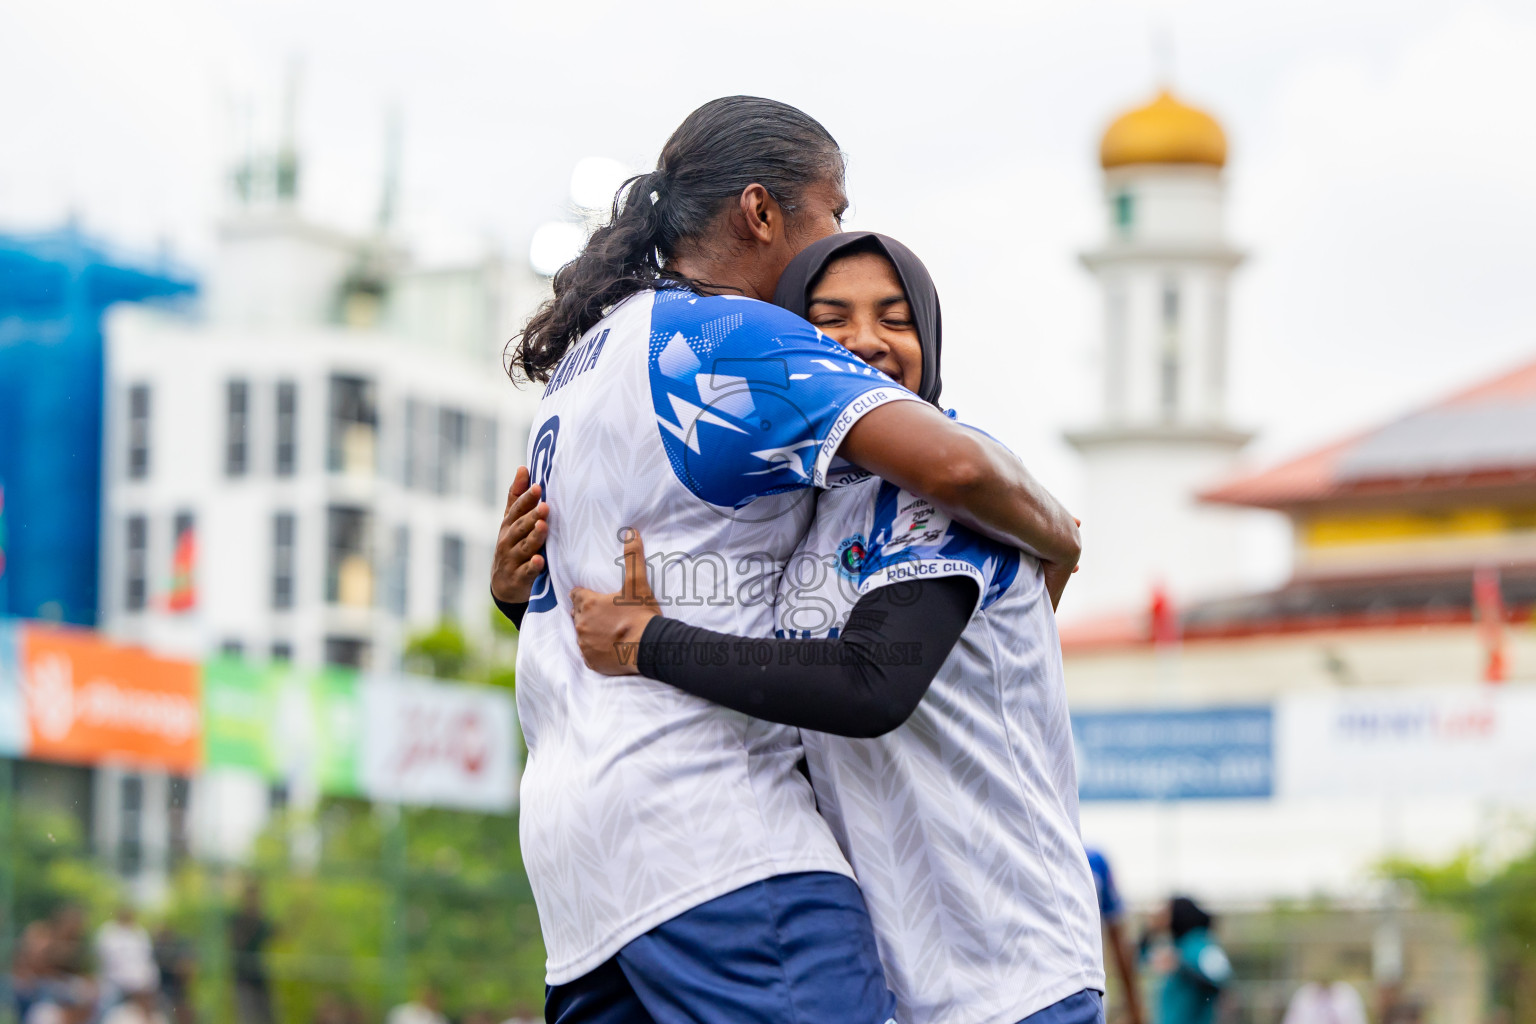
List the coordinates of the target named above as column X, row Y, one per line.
column 1116, row 944
column 137, row 1006
column 334, row 1009
column 1180, row 948
column 31, row 966
column 249, row 934
column 49, row 971
column 66, row 946
column 426, row 1008
column 1326, row 1002
column 125, row 958
column 176, row 960
column 71, row 1001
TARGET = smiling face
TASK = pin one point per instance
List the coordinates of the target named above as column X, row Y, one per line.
column 859, row 303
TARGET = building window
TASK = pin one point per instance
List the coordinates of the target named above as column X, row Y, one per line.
column 452, row 433
column 282, row 651
column 410, row 459
column 489, row 481
column 348, row 571
column 286, row 457
column 353, row 426
column 135, row 564
column 1115, row 351
column 138, row 432
column 1169, row 367
column 283, row 560
column 1125, row 212
column 346, row 652
column 130, row 840
column 178, row 834
column 237, row 427
column 400, row 572
column 1217, row 382
column 183, row 592
column 452, row 577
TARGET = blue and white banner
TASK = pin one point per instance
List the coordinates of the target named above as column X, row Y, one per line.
column 1203, row 754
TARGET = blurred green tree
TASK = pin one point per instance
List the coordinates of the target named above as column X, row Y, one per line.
column 1499, row 904
column 398, row 898
column 445, row 652
column 53, row 866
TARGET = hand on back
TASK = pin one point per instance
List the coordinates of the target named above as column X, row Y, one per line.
column 609, row 626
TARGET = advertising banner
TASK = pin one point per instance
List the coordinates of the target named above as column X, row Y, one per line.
column 88, row 701
column 1157, row 754
column 237, row 716
column 282, row 723
column 13, row 718
column 1470, row 741
column 439, row 744
column 316, row 729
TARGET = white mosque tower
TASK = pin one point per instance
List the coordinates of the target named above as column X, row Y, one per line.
column 1164, row 268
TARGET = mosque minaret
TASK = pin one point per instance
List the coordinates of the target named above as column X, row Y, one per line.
column 1163, row 435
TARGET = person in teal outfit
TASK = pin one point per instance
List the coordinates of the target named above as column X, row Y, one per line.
column 1194, row 968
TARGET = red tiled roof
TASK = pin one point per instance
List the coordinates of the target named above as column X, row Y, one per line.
column 1482, row 437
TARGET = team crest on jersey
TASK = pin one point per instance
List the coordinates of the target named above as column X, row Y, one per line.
column 850, row 556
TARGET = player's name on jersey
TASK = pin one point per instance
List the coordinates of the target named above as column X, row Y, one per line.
column 577, row 361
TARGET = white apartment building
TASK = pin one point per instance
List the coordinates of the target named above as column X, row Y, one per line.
column 316, row 465
column 308, row 468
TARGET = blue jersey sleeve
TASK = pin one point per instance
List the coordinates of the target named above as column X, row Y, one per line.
column 911, row 539
column 1110, row 904
column 751, row 400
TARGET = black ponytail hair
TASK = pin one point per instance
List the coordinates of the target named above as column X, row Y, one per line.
column 718, row 150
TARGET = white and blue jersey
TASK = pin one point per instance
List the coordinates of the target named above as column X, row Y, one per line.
column 961, row 824
column 706, row 423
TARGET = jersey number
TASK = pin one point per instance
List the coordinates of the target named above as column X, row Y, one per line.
column 541, row 466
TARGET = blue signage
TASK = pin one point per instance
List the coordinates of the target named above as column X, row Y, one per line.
column 1207, row 754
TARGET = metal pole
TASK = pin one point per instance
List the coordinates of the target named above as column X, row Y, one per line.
column 395, row 989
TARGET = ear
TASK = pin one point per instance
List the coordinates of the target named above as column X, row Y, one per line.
column 761, row 217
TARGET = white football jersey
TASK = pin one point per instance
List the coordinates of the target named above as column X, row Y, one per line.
column 961, row 824
column 706, row 423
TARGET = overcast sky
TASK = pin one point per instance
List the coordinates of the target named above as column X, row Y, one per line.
column 1381, row 173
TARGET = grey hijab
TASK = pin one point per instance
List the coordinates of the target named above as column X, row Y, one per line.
column 793, row 292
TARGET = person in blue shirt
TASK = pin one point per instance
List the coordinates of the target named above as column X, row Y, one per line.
column 1116, row 944
column 1194, row 968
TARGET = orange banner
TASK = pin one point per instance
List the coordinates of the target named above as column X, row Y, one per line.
column 89, row 701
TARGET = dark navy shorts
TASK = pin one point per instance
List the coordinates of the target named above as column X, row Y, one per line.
column 1085, row 1007
column 794, row 949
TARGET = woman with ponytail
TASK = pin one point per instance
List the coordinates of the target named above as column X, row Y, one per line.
column 681, row 870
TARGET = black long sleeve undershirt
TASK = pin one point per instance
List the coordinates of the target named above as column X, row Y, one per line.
column 513, row 611
column 864, row 683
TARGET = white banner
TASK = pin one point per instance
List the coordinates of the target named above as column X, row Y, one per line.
column 439, row 744
column 1474, row 741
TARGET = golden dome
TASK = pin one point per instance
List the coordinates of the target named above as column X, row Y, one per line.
column 1164, row 131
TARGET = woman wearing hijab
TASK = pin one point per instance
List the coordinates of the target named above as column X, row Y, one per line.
column 1193, row 966
column 921, row 662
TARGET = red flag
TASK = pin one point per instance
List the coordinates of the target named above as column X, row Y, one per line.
column 183, row 595
column 1165, row 617
column 1488, row 602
